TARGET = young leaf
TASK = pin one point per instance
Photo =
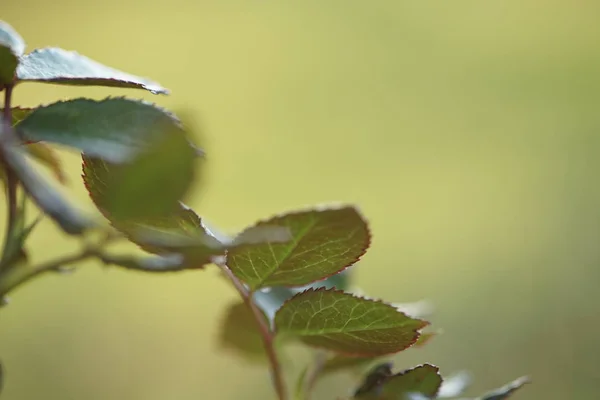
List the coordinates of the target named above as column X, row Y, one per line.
column 343, row 323
column 240, row 334
column 114, row 129
column 422, row 381
column 507, row 390
column 42, row 193
column 11, row 48
column 323, row 243
column 55, row 65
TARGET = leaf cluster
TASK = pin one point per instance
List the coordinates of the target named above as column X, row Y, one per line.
column 291, row 270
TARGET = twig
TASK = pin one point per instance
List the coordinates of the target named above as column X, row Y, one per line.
column 265, row 332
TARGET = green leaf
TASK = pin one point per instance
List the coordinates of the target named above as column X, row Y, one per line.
column 19, row 113
column 239, row 333
column 11, row 48
column 422, row 381
column 507, row 390
column 114, row 129
column 41, row 191
column 341, row 322
column 374, row 380
column 324, row 242
column 55, row 65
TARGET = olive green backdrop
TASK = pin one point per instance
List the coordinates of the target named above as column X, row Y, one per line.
column 466, row 131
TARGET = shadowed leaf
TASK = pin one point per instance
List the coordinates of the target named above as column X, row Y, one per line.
column 506, row 391
column 11, row 48
column 423, row 381
column 167, row 263
column 239, row 333
column 343, row 323
column 55, row 65
column 323, row 243
column 114, row 129
column 44, row 195
column 47, row 156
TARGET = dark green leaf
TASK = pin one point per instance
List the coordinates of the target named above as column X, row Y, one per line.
column 506, row 391
column 423, row 381
column 239, row 333
column 54, row 65
column 323, row 243
column 372, row 383
column 341, row 322
column 11, row 48
column 44, row 195
column 114, row 129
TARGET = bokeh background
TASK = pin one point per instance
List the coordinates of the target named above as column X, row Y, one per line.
column 466, row 131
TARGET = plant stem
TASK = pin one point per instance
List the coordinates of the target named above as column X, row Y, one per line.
column 11, row 179
column 14, row 277
column 265, row 332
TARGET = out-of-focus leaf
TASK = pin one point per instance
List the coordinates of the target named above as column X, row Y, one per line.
column 343, row 323
column 300, row 393
column 423, row 381
column 42, row 193
column 167, row 263
column 47, row 156
column 55, row 65
column 454, row 385
column 239, row 333
column 425, row 338
column 507, row 390
column 114, row 129
column 324, row 242
column 1, row 377
column 11, row 48
column 374, row 380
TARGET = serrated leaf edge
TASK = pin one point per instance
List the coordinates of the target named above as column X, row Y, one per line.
column 355, row 354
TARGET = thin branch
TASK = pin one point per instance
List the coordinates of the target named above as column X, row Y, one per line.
column 265, row 332
column 14, row 277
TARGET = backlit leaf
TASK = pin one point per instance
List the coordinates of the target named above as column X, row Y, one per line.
column 239, row 333
column 506, row 391
column 55, row 65
column 423, row 381
column 11, row 48
column 114, row 129
column 343, row 323
column 323, row 243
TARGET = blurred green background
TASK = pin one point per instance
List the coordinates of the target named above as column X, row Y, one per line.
column 466, row 131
